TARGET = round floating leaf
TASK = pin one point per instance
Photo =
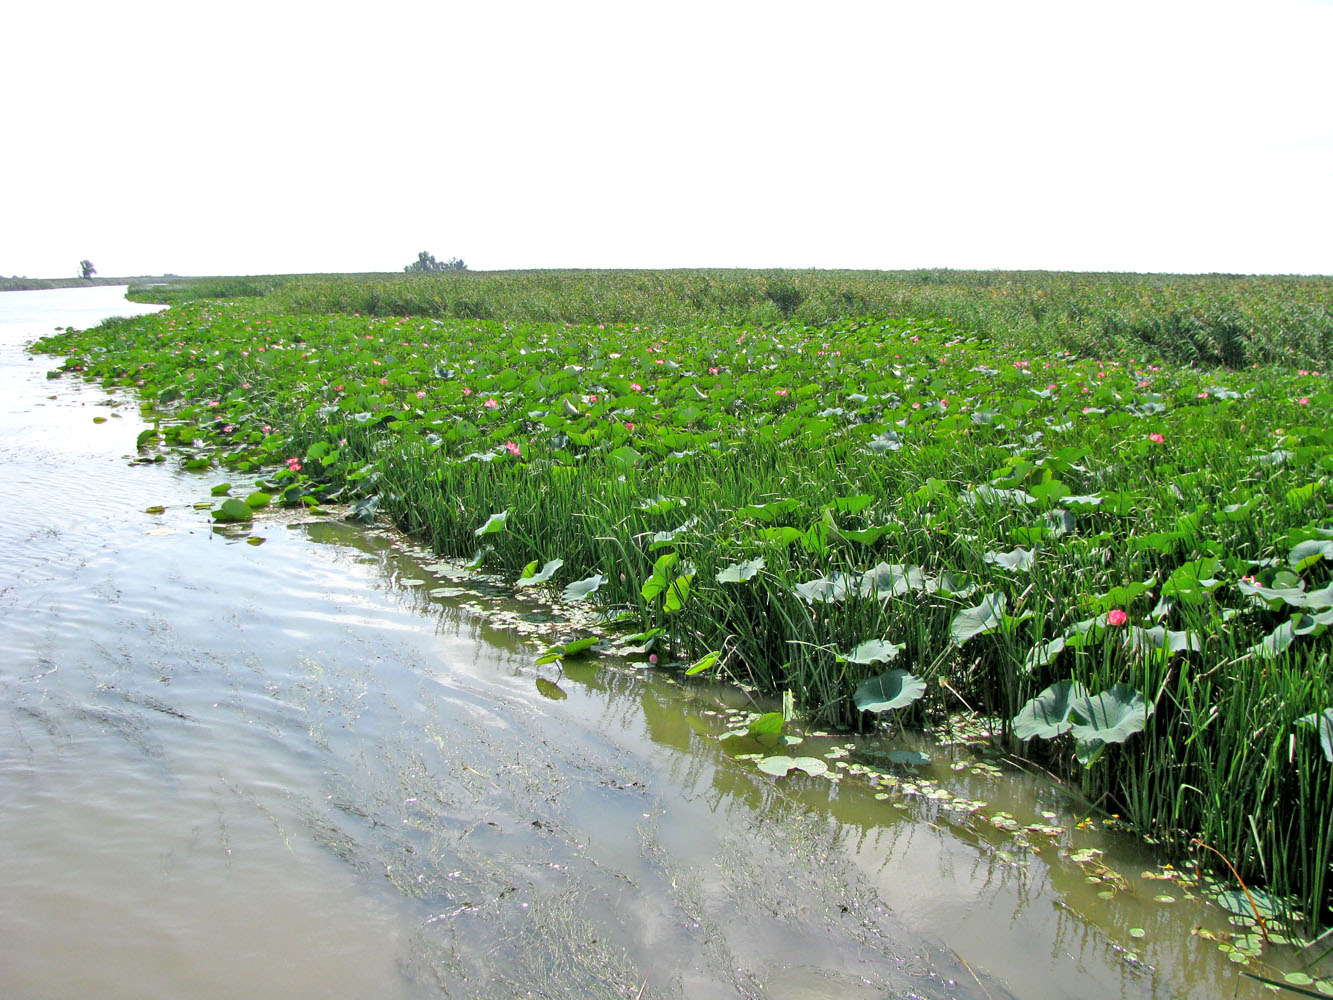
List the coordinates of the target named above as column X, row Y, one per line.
column 583, row 589
column 1047, row 715
column 221, row 489
column 494, row 524
column 888, row 691
column 233, row 511
column 258, row 499
column 155, row 509
column 909, row 758
column 1245, row 904
column 872, row 651
column 255, row 540
column 985, row 617
column 779, row 765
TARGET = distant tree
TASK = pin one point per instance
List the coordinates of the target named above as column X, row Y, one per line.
column 86, row 269
column 427, row 262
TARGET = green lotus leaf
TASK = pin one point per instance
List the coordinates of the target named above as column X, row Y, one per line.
column 703, row 663
column 581, row 590
column 1044, row 654
column 1112, row 716
column 1019, row 560
column 494, row 524
column 872, row 651
column 1047, row 715
column 531, row 577
column 233, row 511
column 740, row 572
column 1323, row 722
column 1309, row 552
column 768, row 724
column 985, row 617
column 888, row 691
column 826, row 590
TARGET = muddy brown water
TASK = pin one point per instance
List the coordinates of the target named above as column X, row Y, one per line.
column 290, row 769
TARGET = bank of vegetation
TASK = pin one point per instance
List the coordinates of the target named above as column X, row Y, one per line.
column 1116, row 541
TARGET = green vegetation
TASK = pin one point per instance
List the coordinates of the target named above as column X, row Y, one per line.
column 1200, row 319
column 1126, row 560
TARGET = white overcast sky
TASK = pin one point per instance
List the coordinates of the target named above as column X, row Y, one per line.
column 239, row 137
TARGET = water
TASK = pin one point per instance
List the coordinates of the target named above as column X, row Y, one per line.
column 286, row 769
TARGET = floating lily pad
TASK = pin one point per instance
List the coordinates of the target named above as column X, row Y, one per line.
column 779, row 766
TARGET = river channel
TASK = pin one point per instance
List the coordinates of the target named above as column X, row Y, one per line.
column 321, row 766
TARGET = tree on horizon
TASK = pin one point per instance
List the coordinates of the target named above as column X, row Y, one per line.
column 427, row 262
column 86, row 269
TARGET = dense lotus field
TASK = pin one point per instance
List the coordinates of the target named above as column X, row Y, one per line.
column 1128, row 564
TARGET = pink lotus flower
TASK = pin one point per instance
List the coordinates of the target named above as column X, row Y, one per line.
column 782, row 392
column 1303, row 401
column 467, row 391
column 513, row 449
column 1116, row 617
column 712, row 371
column 592, row 399
column 629, row 425
column 491, row 404
column 635, row 387
column 1156, row 438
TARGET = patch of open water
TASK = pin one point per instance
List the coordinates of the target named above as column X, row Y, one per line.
column 287, row 769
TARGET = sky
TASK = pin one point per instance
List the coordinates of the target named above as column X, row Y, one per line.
column 281, row 137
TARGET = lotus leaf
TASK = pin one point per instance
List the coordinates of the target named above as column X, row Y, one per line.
column 532, row 579
column 740, row 572
column 494, row 524
column 581, row 590
column 872, row 651
column 1048, row 715
column 888, row 691
column 985, row 617
column 1323, row 723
